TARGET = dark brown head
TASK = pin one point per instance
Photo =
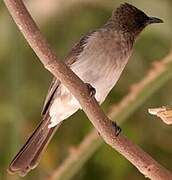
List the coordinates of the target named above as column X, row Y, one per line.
column 130, row 19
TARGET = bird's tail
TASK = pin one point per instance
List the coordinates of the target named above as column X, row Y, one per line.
column 29, row 155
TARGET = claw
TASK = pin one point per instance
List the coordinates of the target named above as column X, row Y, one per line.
column 117, row 129
column 91, row 89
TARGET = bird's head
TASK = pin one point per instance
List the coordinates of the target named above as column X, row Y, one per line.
column 130, row 19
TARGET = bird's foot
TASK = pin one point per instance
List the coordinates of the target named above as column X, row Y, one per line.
column 117, row 129
column 91, row 90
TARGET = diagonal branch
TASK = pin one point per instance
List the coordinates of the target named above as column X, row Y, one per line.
column 144, row 163
column 156, row 77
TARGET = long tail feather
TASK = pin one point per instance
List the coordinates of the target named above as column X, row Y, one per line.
column 29, row 155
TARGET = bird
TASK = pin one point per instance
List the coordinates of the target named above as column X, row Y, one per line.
column 98, row 59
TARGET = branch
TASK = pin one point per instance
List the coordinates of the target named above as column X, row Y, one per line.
column 146, row 165
column 156, row 77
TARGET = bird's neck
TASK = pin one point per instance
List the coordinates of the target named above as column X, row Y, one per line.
column 113, row 28
column 117, row 26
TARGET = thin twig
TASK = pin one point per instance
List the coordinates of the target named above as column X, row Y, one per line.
column 139, row 93
column 145, row 164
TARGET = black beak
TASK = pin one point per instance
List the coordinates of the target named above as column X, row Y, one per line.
column 153, row 20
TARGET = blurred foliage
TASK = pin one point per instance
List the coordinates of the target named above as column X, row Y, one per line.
column 24, row 83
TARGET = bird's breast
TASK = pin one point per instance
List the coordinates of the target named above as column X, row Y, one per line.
column 100, row 68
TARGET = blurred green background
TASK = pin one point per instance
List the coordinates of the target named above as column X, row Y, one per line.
column 24, row 83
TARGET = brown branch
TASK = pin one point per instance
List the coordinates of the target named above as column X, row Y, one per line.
column 146, row 164
column 155, row 78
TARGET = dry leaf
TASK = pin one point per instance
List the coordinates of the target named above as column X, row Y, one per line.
column 165, row 113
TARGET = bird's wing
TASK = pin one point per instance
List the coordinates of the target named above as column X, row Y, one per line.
column 69, row 60
column 51, row 91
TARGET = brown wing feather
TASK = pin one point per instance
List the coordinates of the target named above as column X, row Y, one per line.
column 69, row 60
column 51, row 92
